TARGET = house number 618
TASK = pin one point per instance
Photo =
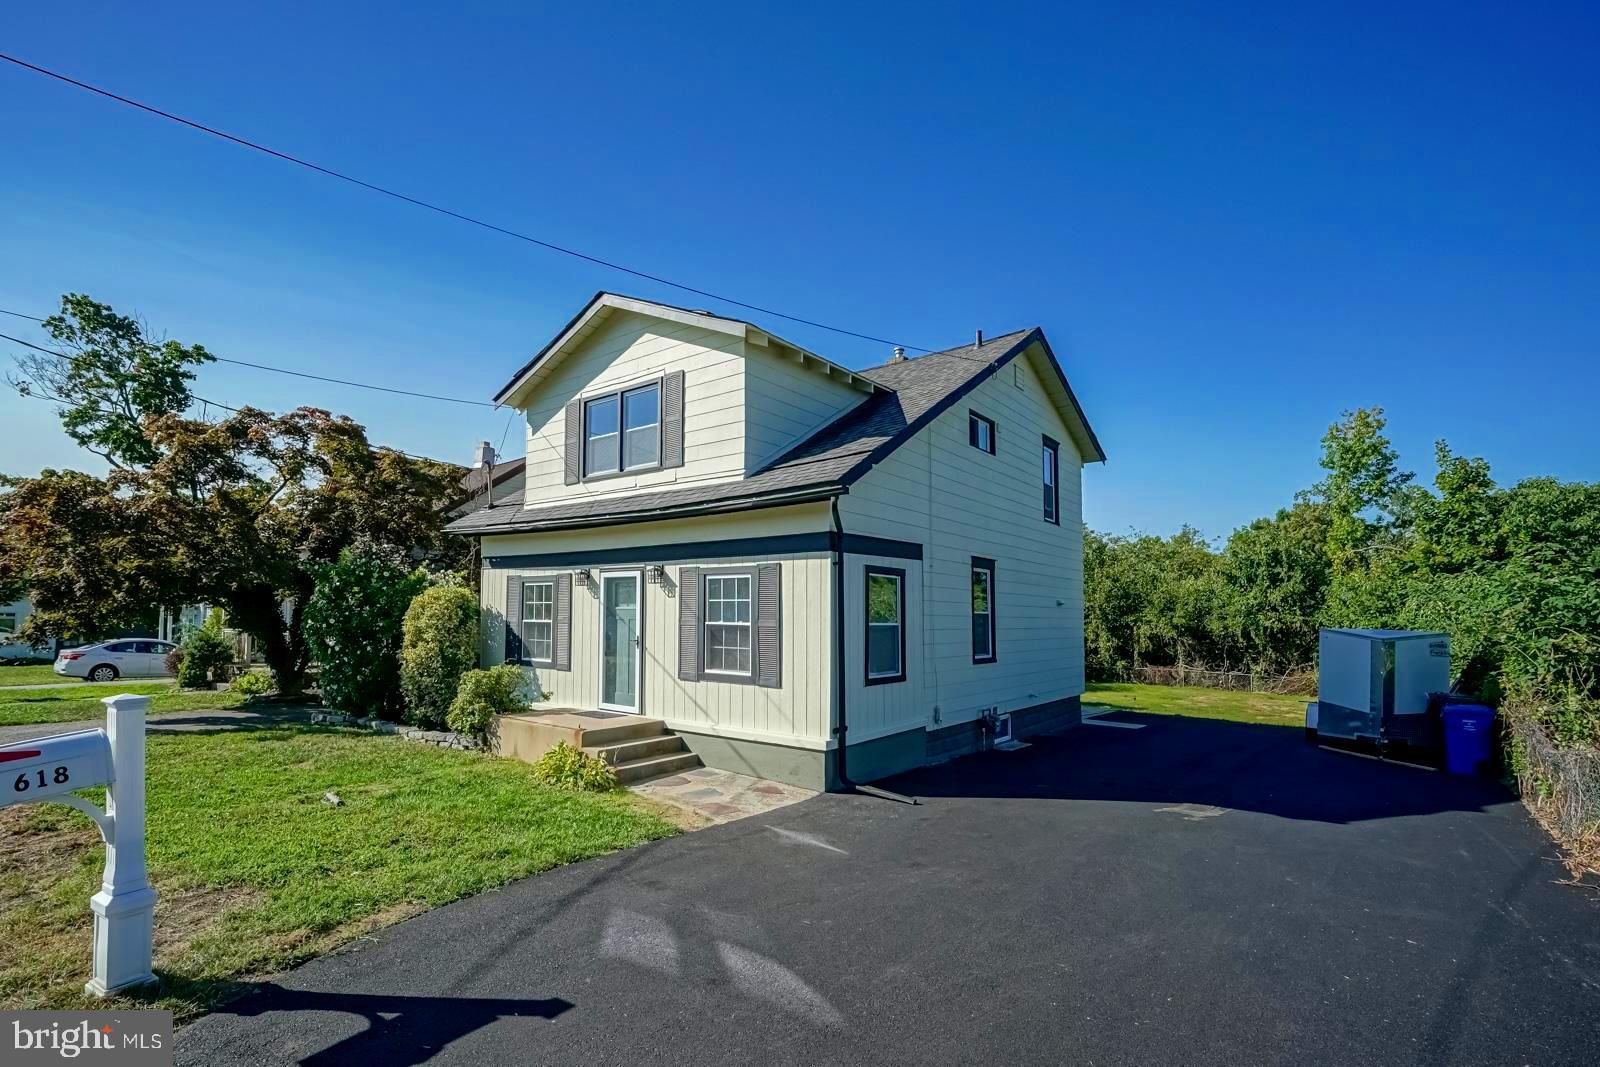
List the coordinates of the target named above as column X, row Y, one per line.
column 22, row 785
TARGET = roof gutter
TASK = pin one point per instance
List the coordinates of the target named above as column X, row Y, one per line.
column 810, row 494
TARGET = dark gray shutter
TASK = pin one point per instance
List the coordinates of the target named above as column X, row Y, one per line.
column 574, row 450
column 689, row 623
column 672, row 420
column 769, row 625
column 513, row 618
column 563, row 623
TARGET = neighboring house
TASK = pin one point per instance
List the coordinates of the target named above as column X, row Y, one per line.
column 775, row 555
column 12, row 616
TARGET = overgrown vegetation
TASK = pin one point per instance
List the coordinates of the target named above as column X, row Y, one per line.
column 256, row 873
column 483, row 695
column 1511, row 573
column 439, row 645
column 251, row 684
column 566, row 767
column 353, row 623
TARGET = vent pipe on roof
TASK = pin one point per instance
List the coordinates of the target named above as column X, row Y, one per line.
column 979, row 342
column 484, row 455
column 899, row 355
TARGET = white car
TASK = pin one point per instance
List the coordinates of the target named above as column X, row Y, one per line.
column 128, row 658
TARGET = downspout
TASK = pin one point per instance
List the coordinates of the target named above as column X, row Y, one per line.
column 841, row 732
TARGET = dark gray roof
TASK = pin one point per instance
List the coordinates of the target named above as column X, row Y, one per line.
column 819, row 467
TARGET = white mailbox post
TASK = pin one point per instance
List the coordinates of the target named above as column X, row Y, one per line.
column 49, row 769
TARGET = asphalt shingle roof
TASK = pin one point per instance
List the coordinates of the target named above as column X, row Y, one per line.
column 815, row 469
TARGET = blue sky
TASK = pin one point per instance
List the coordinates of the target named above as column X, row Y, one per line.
column 1233, row 220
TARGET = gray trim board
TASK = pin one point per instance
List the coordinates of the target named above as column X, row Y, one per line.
column 775, row 545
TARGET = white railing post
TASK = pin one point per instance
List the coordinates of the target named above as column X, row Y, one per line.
column 124, row 909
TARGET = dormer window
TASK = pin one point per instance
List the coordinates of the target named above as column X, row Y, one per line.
column 622, row 431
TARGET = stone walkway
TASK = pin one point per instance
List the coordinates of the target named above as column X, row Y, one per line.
column 721, row 796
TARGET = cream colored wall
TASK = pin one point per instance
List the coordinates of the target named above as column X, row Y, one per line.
column 798, row 713
column 629, row 349
column 785, row 403
column 977, row 505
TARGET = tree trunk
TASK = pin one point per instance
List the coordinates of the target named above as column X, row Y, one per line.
column 258, row 612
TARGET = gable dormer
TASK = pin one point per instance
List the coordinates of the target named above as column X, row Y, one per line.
column 634, row 396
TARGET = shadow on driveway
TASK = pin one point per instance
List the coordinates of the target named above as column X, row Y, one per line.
column 1206, row 763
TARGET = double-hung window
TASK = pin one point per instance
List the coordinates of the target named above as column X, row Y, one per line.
column 980, row 432
column 983, row 631
column 1052, row 481
column 622, row 431
column 539, row 622
column 886, row 625
column 728, row 624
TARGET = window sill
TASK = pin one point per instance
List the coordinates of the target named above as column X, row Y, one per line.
column 891, row 679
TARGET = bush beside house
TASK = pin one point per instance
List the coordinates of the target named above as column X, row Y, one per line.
column 353, row 622
column 439, row 645
column 482, row 696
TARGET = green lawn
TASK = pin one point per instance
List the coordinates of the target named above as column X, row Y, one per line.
column 1266, row 708
column 70, row 703
column 257, row 873
column 32, row 674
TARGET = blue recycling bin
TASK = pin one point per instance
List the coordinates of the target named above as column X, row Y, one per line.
column 1468, row 737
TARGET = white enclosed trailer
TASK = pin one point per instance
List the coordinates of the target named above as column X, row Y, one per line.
column 1373, row 685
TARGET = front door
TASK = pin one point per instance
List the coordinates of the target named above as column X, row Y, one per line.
column 620, row 641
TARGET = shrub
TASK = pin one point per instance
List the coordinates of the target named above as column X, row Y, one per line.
column 252, row 684
column 439, row 645
column 484, row 695
column 572, row 768
column 353, row 624
column 206, row 655
column 174, row 660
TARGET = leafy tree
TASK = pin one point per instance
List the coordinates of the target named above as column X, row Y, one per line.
column 1364, row 485
column 353, row 627
column 1273, row 583
column 238, row 513
column 113, row 376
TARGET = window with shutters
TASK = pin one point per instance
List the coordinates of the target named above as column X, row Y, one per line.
column 983, row 631
column 729, row 624
column 886, row 630
column 539, row 622
column 622, row 431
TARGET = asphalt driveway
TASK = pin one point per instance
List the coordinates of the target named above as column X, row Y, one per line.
column 1192, row 892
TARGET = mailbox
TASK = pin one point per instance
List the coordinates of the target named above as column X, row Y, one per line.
column 50, row 766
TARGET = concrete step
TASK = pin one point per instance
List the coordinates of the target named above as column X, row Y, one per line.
column 624, row 751
column 654, row 767
column 619, row 730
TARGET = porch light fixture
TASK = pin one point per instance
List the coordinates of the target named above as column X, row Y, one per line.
column 656, row 574
column 582, row 575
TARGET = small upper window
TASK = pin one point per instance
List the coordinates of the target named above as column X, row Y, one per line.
column 728, row 647
column 982, row 610
column 1052, row 481
column 622, row 431
column 980, row 432
column 886, row 611
column 539, row 622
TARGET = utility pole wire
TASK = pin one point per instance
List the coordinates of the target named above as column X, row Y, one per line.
column 286, row 157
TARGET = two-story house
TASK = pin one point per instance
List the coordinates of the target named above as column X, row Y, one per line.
column 807, row 573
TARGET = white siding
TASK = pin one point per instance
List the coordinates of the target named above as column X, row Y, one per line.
column 975, row 504
column 786, row 402
column 798, row 713
column 630, row 349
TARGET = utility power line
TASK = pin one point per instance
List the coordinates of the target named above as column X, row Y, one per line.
column 504, row 231
column 295, row 373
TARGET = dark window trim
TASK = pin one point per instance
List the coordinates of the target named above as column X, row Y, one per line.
column 1053, row 446
column 979, row 563
column 724, row 676
column 659, row 384
column 973, row 416
column 525, row 580
column 729, row 548
column 866, row 623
